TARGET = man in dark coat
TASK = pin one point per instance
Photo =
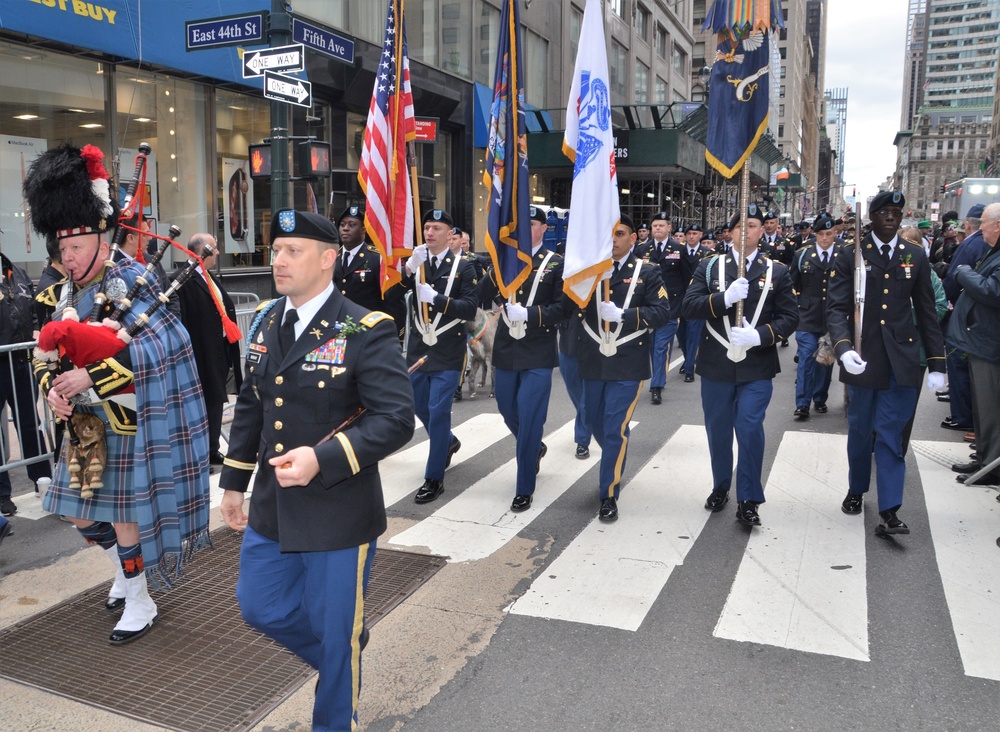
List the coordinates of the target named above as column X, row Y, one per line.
column 665, row 252
column 317, row 506
column 214, row 354
column 884, row 377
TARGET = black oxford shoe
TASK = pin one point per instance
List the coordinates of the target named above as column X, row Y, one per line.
column 985, row 480
column 656, row 395
column 949, row 424
column 430, row 490
column 821, row 408
column 121, row 637
column 453, row 447
column 688, row 378
column 801, row 414
column 784, row 343
column 541, row 453
column 582, row 452
column 113, row 603
column 852, row 504
column 609, row 510
column 746, row 513
column 890, row 524
column 717, row 500
column 969, row 467
column 520, row 503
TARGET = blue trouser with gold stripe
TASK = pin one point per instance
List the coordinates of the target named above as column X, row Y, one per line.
column 523, row 401
column 736, row 407
column 433, row 394
column 312, row 603
column 659, row 354
column 610, row 405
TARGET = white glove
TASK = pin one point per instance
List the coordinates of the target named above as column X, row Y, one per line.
column 416, row 259
column 607, row 273
column 935, row 380
column 610, row 312
column 738, row 290
column 853, row 363
column 426, row 293
column 745, row 337
column 516, row 313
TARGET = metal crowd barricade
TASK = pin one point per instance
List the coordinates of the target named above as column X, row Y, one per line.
column 12, row 409
column 246, row 306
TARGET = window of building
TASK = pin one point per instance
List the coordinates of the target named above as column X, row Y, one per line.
column 781, row 73
column 781, row 110
column 641, row 83
column 618, row 8
column 536, row 68
column 680, row 61
column 456, row 44
column 678, row 97
column 781, row 130
column 660, row 42
column 661, row 91
column 487, row 31
column 641, row 23
column 618, row 70
column 575, row 23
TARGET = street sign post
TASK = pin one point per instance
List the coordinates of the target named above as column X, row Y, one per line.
column 287, row 89
column 232, row 30
column 279, row 60
column 323, row 40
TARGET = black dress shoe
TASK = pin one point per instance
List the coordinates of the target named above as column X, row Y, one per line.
column 582, row 452
column 821, row 408
column 784, row 343
column 7, row 507
column 801, row 414
column 985, row 480
column 717, row 500
column 949, row 424
column 453, row 447
column 217, row 459
column 520, row 503
column 5, row 531
column 121, row 637
column 656, row 395
column 609, row 510
column 688, row 378
column 430, row 490
column 541, row 453
column 746, row 513
column 943, row 398
column 458, row 394
column 853, row 504
column 969, row 467
column 890, row 524
column 113, row 603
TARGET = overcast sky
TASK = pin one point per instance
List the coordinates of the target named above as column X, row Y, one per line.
column 865, row 41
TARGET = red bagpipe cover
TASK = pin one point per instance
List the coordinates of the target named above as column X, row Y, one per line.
column 82, row 343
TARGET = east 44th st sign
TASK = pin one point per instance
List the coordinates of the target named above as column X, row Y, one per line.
column 279, row 60
column 287, row 89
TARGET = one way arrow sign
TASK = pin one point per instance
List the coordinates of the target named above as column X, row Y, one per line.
column 280, row 60
column 287, row 89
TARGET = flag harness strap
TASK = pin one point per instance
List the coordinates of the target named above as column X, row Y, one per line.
column 430, row 331
column 722, row 288
column 517, row 330
column 613, row 341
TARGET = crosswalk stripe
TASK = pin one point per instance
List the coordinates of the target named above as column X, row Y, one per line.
column 802, row 581
column 611, row 574
column 479, row 522
column 403, row 472
column 964, row 522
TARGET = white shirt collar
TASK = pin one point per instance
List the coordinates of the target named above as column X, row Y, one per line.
column 892, row 244
column 356, row 249
column 820, row 250
column 534, row 250
column 307, row 311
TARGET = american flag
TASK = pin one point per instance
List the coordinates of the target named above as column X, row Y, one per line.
column 383, row 173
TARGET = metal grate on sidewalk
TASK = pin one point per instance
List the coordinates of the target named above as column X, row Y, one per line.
column 201, row 668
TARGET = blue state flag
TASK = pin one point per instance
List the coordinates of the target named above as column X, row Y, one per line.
column 738, row 98
column 508, row 223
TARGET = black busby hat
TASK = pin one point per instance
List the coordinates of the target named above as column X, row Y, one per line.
column 303, row 225
column 439, row 215
column 627, row 220
column 355, row 212
column 68, row 193
column 538, row 214
column 887, row 198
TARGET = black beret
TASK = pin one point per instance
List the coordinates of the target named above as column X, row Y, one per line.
column 661, row 216
column 753, row 212
column 643, row 225
column 887, row 198
column 708, row 237
column 694, row 227
column 355, row 212
column 627, row 220
column 538, row 214
column 440, row 216
column 823, row 222
column 303, row 225
column 770, row 216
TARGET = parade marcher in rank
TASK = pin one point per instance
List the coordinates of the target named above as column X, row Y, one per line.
column 883, row 379
column 524, row 354
column 665, row 252
column 449, row 294
column 689, row 330
column 735, row 392
column 317, row 508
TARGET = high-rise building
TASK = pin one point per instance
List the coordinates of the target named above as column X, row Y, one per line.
column 913, row 66
column 961, row 61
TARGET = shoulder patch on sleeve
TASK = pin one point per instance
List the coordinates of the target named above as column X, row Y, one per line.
column 911, row 242
column 49, row 296
column 374, row 318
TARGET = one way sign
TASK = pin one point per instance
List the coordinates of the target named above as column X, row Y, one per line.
column 287, row 89
column 280, row 60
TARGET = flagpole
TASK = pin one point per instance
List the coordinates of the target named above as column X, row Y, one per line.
column 411, row 155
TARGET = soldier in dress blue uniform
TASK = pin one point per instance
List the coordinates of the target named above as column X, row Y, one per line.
column 642, row 240
column 569, row 368
column 884, row 378
column 316, row 509
column 446, row 284
column 688, row 330
column 614, row 350
column 735, row 393
column 358, row 273
column 665, row 252
column 525, row 352
column 810, row 278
